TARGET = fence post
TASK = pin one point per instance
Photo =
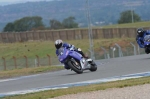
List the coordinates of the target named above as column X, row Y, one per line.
column 4, row 63
column 26, row 61
column 38, row 60
column 120, row 51
column 15, row 62
column 134, row 48
column 113, row 50
column 49, row 59
column 105, row 52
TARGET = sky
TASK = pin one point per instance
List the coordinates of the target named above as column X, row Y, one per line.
column 6, row 2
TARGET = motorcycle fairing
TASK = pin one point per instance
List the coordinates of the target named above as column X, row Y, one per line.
column 64, row 53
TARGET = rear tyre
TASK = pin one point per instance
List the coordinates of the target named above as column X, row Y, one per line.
column 75, row 67
column 147, row 51
column 93, row 67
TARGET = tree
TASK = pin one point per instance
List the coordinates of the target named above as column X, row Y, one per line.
column 9, row 27
column 70, row 23
column 126, row 17
column 54, row 24
column 25, row 24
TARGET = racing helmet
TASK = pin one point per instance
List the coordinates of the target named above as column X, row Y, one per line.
column 140, row 32
column 58, row 43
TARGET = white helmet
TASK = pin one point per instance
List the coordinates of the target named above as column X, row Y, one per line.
column 58, row 43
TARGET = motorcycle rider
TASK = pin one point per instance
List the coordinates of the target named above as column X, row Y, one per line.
column 59, row 43
column 140, row 38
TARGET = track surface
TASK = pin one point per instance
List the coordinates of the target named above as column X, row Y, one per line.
column 106, row 68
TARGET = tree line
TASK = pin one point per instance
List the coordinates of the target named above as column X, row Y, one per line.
column 35, row 22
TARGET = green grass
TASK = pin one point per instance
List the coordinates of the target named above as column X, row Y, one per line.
column 129, row 25
column 42, row 48
column 75, row 90
column 30, row 49
column 29, row 71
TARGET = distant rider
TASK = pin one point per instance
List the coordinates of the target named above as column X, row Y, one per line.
column 140, row 38
column 59, row 43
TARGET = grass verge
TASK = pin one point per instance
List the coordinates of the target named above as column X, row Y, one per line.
column 75, row 90
column 29, row 71
column 42, row 48
column 129, row 25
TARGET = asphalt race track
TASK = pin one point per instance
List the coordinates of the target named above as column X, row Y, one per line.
column 106, row 68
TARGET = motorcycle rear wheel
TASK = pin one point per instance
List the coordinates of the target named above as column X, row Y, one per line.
column 93, row 66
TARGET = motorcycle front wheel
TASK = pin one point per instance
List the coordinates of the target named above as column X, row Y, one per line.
column 75, row 67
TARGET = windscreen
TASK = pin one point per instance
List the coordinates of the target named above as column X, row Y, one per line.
column 60, row 51
column 147, row 38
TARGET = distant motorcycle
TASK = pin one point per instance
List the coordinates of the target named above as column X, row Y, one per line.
column 147, row 43
column 75, row 60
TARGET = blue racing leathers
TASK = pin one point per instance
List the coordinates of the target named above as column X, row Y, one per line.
column 140, row 39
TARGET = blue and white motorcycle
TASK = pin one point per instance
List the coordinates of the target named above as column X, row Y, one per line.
column 75, row 60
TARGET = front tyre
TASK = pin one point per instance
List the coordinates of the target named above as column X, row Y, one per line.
column 75, row 67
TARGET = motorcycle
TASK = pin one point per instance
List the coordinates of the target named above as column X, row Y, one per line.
column 147, row 43
column 75, row 61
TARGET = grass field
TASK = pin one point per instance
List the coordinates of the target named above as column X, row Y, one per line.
column 129, row 25
column 28, row 71
column 42, row 48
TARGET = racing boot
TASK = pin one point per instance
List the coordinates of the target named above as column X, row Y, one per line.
column 80, row 51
